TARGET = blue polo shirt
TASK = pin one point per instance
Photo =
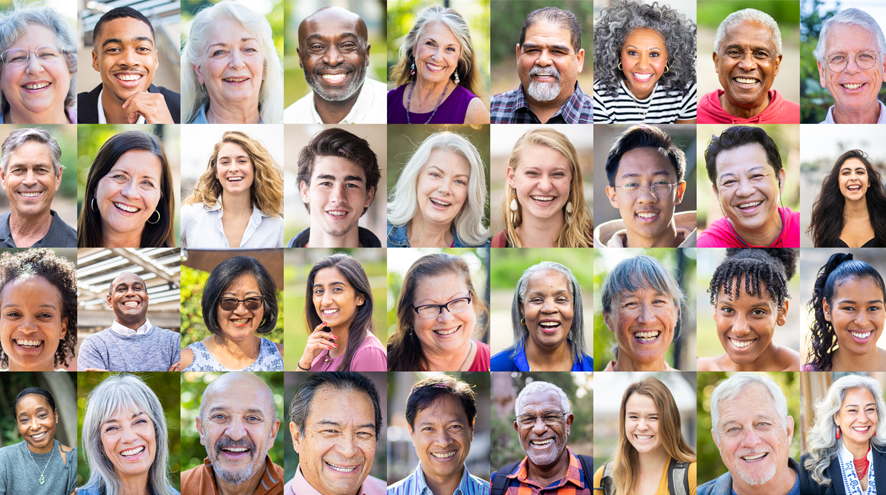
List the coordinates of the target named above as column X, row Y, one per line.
column 503, row 362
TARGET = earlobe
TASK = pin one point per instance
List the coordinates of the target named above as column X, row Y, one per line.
column 681, row 190
column 613, row 199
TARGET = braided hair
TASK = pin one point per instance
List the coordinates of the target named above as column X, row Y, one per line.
column 839, row 267
column 771, row 266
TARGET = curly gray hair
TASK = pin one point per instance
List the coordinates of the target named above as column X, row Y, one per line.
column 620, row 20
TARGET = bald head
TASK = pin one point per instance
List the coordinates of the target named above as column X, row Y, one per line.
column 334, row 19
column 238, row 388
column 128, row 299
column 125, row 277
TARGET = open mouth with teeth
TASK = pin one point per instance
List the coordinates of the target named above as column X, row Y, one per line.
column 235, row 179
column 861, row 336
column 647, row 337
column 38, row 436
column 854, row 188
column 240, row 322
column 862, row 429
column 754, row 457
column 235, row 453
column 746, row 82
column 543, row 200
column 337, row 214
column 132, row 453
column 541, row 444
column 853, row 86
column 642, row 76
column 749, row 206
column 28, row 344
column 544, row 76
column 434, row 68
column 36, row 86
column 643, row 438
column 444, row 456
column 549, row 326
column 131, row 304
column 741, row 344
column 647, row 216
column 126, row 208
column 29, row 194
column 128, row 79
column 329, row 312
column 236, row 81
column 342, row 469
column 334, row 78
column 439, row 204
column 446, row 332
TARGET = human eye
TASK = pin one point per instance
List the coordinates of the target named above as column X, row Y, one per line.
column 874, row 308
column 631, row 304
column 435, row 174
column 762, row 54
column 632, row 53
column 630, row 186
column 456, row 427
column 250, row 50
column 427, row 429
column 661, row 183
column 531, row 173
column 728, row 183
column 727, row 310
column 112, row 50
column 732, row 52
column 365, row 434
column 839, row 58
column 461, row 182
column 144, row 49
column 326, row 183
column 562, row 300
column 865, row 56
column 12, row 314
column 758, row 312
column 655, row 54
column 110, row 429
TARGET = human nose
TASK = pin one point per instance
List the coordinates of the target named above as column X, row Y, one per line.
column 444, row 186
column 747, row 61
column 445, row 315
column 646, row 314
column 861, row 319
column 852, row 63
column 544, row 58
column 128, row 434
column 347, row 447
column 740, row 326
column 236, row 59
column 30, row 178
column 236, row 429
column 34, row 64
column 647, row 195
column 338, row 193
column 744, row 188
column 750, row 438
column 131, row 190
column 539, row 426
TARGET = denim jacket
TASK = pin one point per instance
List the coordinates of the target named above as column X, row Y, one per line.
column 397, row 237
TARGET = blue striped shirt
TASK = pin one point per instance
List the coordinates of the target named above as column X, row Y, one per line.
column 414, row 484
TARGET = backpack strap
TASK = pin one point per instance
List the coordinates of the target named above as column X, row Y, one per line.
column 606, row 480
column 587, row 465
column 500, row 483
column 678, row 477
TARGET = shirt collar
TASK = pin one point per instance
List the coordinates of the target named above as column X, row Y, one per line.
column 50, row 238
column 358, row 111
column 464, row 487
column 882, row 120
column 302, row 487
column 101, row 111
column 848, row 455
column 125, row 331
column 572, row 473
column 573, row 103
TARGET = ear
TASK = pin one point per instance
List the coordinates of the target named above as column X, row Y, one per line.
column 58, row 179
column 95, row 61
column 681, row 189
column 368, row 46
column 303, row 189
column 156, row 59
column 274, row 430
column 714, row 436
column 790, row 428
column 510, row 178
column 607, row 318
column 199, row 424
column 783, row 314
column 411, row 434
column 781, row 180
column 777, row 64
column 517, row 426
column 370, row 195
column 296, row 439
column 569, row 418
column 298, row 52
column 110, row 304
column 360, row 300
column 581, row 59
column 64, row 331
column 199, row 72
column 826, row 308
column 518, row 52
column 613, row 199
column 821, row 75
column 716, row 193
column 716, row 65
column 3, row 178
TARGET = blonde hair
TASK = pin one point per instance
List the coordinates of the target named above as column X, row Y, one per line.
column 576, row 233
column 267, row 185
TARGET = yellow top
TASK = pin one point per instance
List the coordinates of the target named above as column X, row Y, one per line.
column 662, row 483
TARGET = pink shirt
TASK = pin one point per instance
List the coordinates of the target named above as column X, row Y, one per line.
column 720, row 234
column 300, row 486
column 370, row 356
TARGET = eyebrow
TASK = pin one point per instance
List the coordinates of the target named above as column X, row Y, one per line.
column 124, row 284
column 331, row 283
column 134, row 40
column 444, row 172
column 748, row 171
column 637, row 175
column 637, row 48
column 44, row 305
column 224, row 408
column 229, row 292
column 225, row 44
column 555, row 46
column 560, row 291
column 336, row 423
column 454, row 296
column 872, row 301
column 348, row 178
column 435, row 41
column 115, row 420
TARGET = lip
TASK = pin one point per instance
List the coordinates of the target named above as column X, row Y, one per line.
column 134, row 457
column 434, row 68
column 864, row 429
column 642, row 339
column 745, row 82
column 551, row 442
column 638, row 439
column 343, row 469
column 647, row 216
column 42, row 436
column 439, row 204
column 335, row 78
column 37, row 195
column 544, row 77
column 337, row 215
column 235, row 456
column 736, row 344
column 327, row 313
column 542, row 200
column 28, row 349
column 858, row 87
column 549, row 330
column 446, row 333
column 235, row 81
column 240, row 322
column 119, row 206
column 642, row 77
column 867, row 335
column 127, row 304
column 43, row 86
column 749, row 210
column 755, row 457
column 450, row 456
column 235, row 179
column 138, row 77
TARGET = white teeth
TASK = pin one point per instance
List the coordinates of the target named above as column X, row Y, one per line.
column 130, row 209
column 647, row 215
column 328, row 312
column 643, row 437
column 543, row 199
column 549, row 324
column 542, row 442
column 446, row 332
column 38, row 436
column 30, row 194
column 754, row 457
column 749, row 205
column 131, row 304
column 642, row 77
column 543, row 74
column 129, row 77
column 647, row 336
column 236, row 79
column 861, row 335
column 240, row 321
column 236, row 449
column 334, row 77
column 434, row 68
column 28, row 343
column 861, row 429
column 443, row 456
column 341, row 469
column 741, row 344
column 134, row 451
column 337, row 213
column 37, row 85
column 852, row 86
column 235, row 179
column 440, row 203
column 742, row 80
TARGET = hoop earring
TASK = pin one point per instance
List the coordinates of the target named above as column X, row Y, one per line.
column 93, row 206
column 523, row 321
column 619, row 65
column 666, row 69
column 152, row 216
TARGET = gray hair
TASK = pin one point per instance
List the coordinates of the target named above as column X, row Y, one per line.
column 576, row 332
column 730, row 388
column 14, row 24
column 19, row 137
column 194, row 96
column 403, row 200
column 823, row 446
column 752, row 15
column 853, row 17
column 115, row 393
column 299, row 409
column 455, row 22
column 539, row 387
column 634, row 273
column 563, row 18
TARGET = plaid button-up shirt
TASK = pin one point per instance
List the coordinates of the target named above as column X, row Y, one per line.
column 572, row 484
column 512, row 108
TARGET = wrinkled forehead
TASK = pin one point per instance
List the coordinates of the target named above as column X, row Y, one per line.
column 326, row 405
column 753, row 403
column 544, row 400
column 749, row 30
column 546, row 33
column 844, row 37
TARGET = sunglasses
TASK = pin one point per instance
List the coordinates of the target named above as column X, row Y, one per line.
column 230, row 303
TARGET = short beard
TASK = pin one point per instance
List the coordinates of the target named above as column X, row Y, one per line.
column 240, row 476
column 548, row 459
column 543, row 91
column 341, row 94
column 758, row 481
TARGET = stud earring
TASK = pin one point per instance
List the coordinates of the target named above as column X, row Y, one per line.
column 514, row 207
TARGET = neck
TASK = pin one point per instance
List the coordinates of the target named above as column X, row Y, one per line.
column 333, row 112
column 244, row 112
column 624, row 363
column 319, row 238
column 766, row 360
column 241, row 349
column 248, row 486
column 48, row 116
column 545, row 359
column 780, row 484
column 544, row 475
column 855, row 210
column 133, row 484
column 44, row 450
column 844, row 361
column 444, row 486
column 343, row 333
column 237, row 205
column 858, row 450
column 113, row 107
column 653, row 461
column 120, row 240
column 867, row 115
column 44, row 365
column 132, row 324
column 428, row 234
column 428, row 92
column 744, row 112
column 668, row 238
column 448, row 362
column 765, row 235
column 540, row 232
column 29, row 225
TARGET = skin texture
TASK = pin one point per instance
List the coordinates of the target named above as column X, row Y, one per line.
column 854, row 180
column 234, row 169
column 542, row 172
column 857, row 309
column 646, row 167
column 37, row 423
column 852, row 105
column 548, row 301
column 337, row 186
column 448, row 335
column 436, row 54
column 45, row 105
column 857, row 420
column 241, row 323
column 130, row 429
column 128, row 298
column 31, row 310
column 549, row 460
column 548, row 48
column 746, row 168
column 336, row 436
column 642, row 311
column 444, row 179
column 133, row 182
column 30, row 171
column 747, row 52
column 441, row 429
column 749, row 321
column 643, row 61
column 642, row 420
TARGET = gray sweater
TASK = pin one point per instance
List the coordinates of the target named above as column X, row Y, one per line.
column 20, row 475
column 156, row 350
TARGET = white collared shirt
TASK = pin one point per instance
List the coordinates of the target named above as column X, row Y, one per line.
column 882, row 120
column 371, row 107
column 101, row 111
column 125, row 331
column 203, row 229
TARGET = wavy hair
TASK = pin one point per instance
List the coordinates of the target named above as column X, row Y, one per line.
column 822, row 444
column 620, row 20
column 119, row 392
column 576, row 233
column 194, row 96
column 576, row 332
column 625, row 460
column 467, row 69
column 827, row 220
column 267, row 184
column 362, row 323
column 405, row 352
column 839, row 267
column 403, row 202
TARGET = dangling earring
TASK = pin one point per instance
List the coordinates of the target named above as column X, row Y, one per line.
column 838, row 433
column 457, row 80
column 666, row 69
column 569, row 211
column 514, row 207
column 412, row 68
column 619, row 65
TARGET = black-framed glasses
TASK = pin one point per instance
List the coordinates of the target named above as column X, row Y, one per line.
column 16, row 57
column 659, row 189
column 431, row 311
column 864, row 59
column 550, row 418
column 230, row 303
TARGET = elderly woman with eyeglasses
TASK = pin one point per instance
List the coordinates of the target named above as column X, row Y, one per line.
column 37, row 78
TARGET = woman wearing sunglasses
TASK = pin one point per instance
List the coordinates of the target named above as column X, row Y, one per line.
column 239, row 301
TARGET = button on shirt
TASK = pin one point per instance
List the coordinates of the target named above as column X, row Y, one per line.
column 125, row 331
column 371, row 107
column 298, row 485
column 512, row 108
column 203, row 229
column 572, row 484
column 414, row 484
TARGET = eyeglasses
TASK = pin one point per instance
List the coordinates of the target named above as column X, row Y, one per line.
column 864, row 60
column 755, row 180
column 550, row 418
column 230, row 304
column 16, row 57
column 431, row 311
column 659, row 189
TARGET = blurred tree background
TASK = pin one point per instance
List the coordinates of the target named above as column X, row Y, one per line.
column 167, row 388
column 710, row 464
column 578, row 387
column 682, row 264
column 192, row 386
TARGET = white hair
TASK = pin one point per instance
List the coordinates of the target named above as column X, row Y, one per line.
column 403, row 201
column 748, row 15
column 853, row 17
column 194, row 97
column 538, row 387
column 730, row 388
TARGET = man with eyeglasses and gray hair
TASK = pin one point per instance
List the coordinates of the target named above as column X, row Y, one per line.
column 543, row 424
column 752, row 430
column 851, row 66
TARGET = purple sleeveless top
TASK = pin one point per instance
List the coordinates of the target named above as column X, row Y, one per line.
column 452, row 111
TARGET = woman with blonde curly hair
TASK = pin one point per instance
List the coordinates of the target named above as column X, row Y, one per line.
column 544, row 204
column 244, row 177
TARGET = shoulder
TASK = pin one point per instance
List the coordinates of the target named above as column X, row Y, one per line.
column 395, row 93
column 707, row 364
column 502, row 361
column 368, row 238
column 788, row 359
column 598, row 475
column 477, row 112
column 187, row 360
column 279, row 347
column 500, row 240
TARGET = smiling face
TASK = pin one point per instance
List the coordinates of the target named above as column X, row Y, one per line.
column 129, row 441
column 547, row 63
column 128, row 299
column 130, row 192
column 857, row 315
column 36, row 423
column 642, row 420
column 29, row 179
column 31, row 323
column 643, row 322
column 448, row 333
column 335, row 300
column 857, row 418
column 232, row 68
column 745, row 323
column 747, row 64
column 749, row 188
column 338, row 447
column 436, row 53
column 544, row 444
column 643, row 61
column 333, row 52
column 548, row 309
column 234, row 169
column 854, row 89
column 542, row 182
column 337, row 195
column 854, row 180
column 442, row 436
column 242, row 322
column 442, row 187
column 125, row 57
column 40, row 86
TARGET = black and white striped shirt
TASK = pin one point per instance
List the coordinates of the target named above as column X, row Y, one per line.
column 661, row 107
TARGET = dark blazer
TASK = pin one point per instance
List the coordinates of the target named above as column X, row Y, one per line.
column 87, row 104
column 809, row 486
